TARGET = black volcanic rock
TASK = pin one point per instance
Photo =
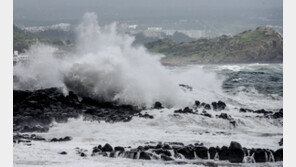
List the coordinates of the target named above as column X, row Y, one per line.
column 197, row 103
column 67, row 138
column 201, row 152
column 223, row 153
column 107, row 148
column 236, row 153
column 281, row 142
column 186, row 110
column 278, row 155
column 119, row 148
column 158, row 105
column 278, row 114
column 63, row 153
column 260, row 155
column 220, row 105
column 166, row 158
column 227, row 117
column 187, row 152
column 34, row 111
column 145, row 156
column 162, row 151
column 207, row 107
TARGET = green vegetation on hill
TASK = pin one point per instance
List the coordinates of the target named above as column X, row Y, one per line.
column 260, row 45
column 22, row 40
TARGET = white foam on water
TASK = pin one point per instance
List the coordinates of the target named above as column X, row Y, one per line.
column 165, row 127
column 104, row 66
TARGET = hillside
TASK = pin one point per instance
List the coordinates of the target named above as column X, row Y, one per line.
column 262, row 45
column 22, row 40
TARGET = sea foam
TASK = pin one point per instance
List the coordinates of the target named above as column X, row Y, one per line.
column 104, row 66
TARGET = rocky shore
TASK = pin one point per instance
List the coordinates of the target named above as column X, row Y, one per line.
column 34, row 112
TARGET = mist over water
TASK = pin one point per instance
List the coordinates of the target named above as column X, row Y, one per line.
column 104, row 66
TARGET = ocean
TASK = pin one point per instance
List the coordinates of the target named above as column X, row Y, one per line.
column 106, row 67
column 253, row 86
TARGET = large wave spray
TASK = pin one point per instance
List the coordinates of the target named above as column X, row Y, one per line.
column 104, row 66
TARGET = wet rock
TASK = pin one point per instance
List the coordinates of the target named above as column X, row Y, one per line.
column 167, row 147
column 236, row 153
column 204, row 113
column 186, row 110
column 278, row 155
column 27, row 137
column 96, row 150
column 281, row 142
column 260, row 155
column 166, row 158
column 212, row 152
column 34, row 111
column 157, row 105
column 63, row 153
column 107, row 148
column 145, row 156
column 162, row 151
column 261, row 111
column 131, row 154
column 119, row 148
column 207, row 107
column 67, row 138
column 220, row 105
column 278, row 114
column 227, row 117
column 223, row 153
column 197, row 103
column 112, row 154
column 146, row 115
column 187, row 152
column 201, row 152
column 82, row 154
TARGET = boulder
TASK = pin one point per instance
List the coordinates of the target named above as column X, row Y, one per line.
column 162, row 151
column 223, row 153
column 278, row 155
column 207, row 107
column 145, row 156
column 107, row 148
column 260, row 155
column 236, row 153
column 201, row 152
column 119, row 148
column 187, row 152
column 197, row 103
column 281, row 142
column 157, row 105
column 212, row 152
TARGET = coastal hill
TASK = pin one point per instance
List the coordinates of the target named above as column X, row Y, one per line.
column 262, row 45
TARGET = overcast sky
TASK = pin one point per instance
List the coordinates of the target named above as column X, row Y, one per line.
column 116, row 10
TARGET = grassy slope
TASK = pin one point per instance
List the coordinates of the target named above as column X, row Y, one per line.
column 260, row 45
column 22, row 40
